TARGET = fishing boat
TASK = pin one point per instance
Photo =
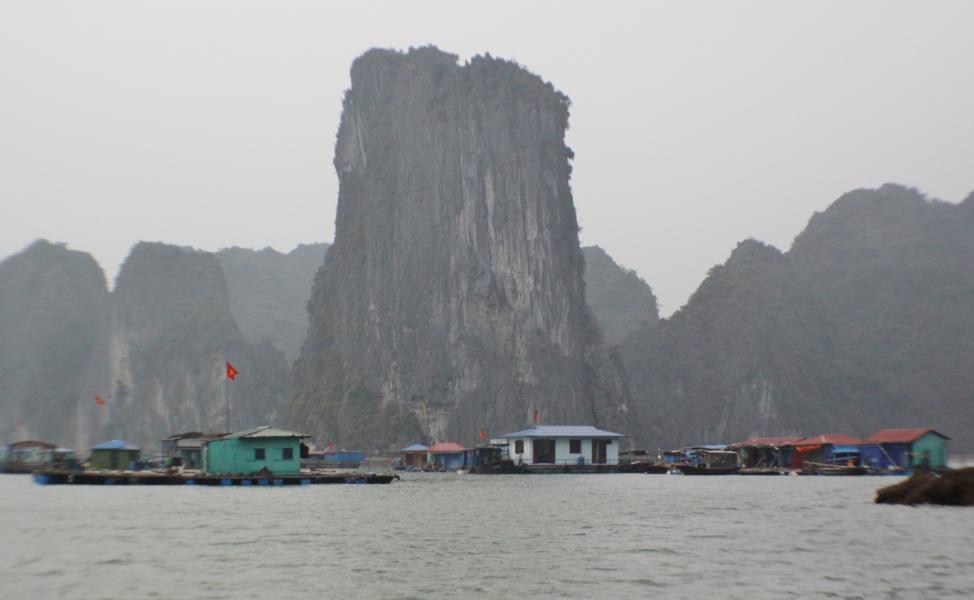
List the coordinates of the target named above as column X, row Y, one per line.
column 812, row 468
column 761, row 471
column 706, row 470
column 704, row 460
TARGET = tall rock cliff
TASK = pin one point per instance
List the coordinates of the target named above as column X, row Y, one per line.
column 269, row 292
column 752, row 353
column 452, row 300
column 53, row 345
column 171, row 333
column 620, row 300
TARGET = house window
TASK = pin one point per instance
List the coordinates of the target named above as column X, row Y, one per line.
column 287, row 453
column 575, row 446
column 259, row 454
column 519, row 447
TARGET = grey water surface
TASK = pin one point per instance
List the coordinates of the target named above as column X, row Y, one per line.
column 469, row 536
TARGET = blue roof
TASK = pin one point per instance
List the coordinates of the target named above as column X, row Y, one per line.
column 563, row 431
column 415, row 448
column 115, row 445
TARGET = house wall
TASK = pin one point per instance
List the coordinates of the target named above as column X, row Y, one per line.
column 449, row 461
column 563, row 455
column 102, row 459
column 935, row 445
column 414, row 459
column 237, row 456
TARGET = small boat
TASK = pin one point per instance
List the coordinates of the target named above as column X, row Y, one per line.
column 707, row 460
column 825, row 469
column 643, row 467
column 761, row 471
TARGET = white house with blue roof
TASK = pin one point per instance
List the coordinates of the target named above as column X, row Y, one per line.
column 564, row 445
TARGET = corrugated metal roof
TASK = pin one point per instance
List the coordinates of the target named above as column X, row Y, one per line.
column 265, row 431
column 446, row 447
column 901, row 436
column 115, row 445
column 766, row 442
column 563, row 431
column 836, row 439
column 415, row 448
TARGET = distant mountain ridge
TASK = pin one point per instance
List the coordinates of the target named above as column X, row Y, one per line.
column 153, row 349
column 866, row 322
column 269, row 292
column 620, row 300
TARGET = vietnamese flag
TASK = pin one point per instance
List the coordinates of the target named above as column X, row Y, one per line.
column 232, row 372
column 99, row 401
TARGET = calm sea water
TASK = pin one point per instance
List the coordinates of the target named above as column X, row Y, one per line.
column 468, row 536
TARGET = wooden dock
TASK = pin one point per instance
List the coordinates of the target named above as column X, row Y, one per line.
column 52, row 477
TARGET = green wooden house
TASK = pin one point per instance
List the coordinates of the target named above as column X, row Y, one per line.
column 253, row 450
column 114, row 455
column 907, row 448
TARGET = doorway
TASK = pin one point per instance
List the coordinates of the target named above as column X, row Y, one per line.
column 599, row 451
column 544, row 451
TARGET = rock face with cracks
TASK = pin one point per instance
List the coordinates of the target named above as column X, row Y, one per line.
column 452, row 301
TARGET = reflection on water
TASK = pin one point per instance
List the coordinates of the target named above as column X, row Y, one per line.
column 558, row 536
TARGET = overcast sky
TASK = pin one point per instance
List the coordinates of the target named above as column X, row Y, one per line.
column 694, row 125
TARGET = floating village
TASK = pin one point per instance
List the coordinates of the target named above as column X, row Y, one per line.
column 266, row 456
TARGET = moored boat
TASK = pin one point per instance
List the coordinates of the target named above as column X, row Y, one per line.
column 761, row 471
column 706, row 470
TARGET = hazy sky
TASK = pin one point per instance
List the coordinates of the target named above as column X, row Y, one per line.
column 694, row 124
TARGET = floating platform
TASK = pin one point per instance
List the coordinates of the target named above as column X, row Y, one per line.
column 157, row 478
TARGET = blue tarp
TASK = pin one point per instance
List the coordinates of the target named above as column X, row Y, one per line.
column 344, row 457
column 415, row 448
column 115, row 445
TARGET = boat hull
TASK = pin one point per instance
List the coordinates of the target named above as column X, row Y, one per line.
column 692, row 470
column 154, row 478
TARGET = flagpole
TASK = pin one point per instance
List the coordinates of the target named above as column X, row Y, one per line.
column 226, row 388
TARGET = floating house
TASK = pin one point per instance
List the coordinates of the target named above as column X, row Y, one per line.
column 27, row 455
column 485, row 456
column 261, row 449
column 906, row 449
column 564, row 445
column 414, row 457
column 186, row 449
column 446, row 455
column 766, row 452
column 114, row 455
column 827, row 449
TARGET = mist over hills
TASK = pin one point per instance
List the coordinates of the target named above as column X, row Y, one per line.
column 54, row 314
column 620, row 300
column 153, row 349
column 865, row 323
column 456, row 299
column 269, row 291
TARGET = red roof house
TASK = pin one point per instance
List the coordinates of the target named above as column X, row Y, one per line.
column 901, row 436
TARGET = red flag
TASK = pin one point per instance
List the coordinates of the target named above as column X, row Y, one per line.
column 99, row 401
column 483, row 434
column 331, row 446
column 537, row 415
column 232, row 372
